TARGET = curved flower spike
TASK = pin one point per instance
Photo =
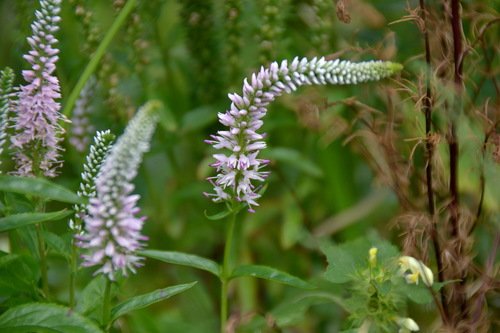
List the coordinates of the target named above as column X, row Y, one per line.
column 239, row 168
column 112, row 233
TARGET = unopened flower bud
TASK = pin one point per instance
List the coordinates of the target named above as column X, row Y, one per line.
column 407, row 325
column 372, row 259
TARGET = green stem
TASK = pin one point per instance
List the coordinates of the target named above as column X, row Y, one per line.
column 226, row 270
column 99, row 53
column 43, row 261
column 40, row 207
column 106, row 306
column 72, row 276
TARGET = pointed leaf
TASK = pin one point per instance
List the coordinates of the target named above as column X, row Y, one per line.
column 45, row 317
column 183, row 259
column 19, row 274
column 218, row 216
column 38, row 187
column 271, row 274
column 198, row 118
column 142, row 301
column 21, row 220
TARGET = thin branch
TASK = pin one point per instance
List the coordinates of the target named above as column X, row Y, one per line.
column 482, row 179
column 427, row 109
column 454, row 207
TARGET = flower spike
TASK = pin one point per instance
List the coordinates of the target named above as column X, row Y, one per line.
column 37, row 132
column 6, row 104
column 103, row 141
column 112, row 233
column 240, row 168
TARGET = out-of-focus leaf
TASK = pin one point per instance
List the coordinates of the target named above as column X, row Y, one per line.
column 45, row 317
column 293, row 310
column 183, row 259
column 291, row 157
column 292, row 223
column 417, row 293
column 347, row 258
column 341, row 265
column 21, row 220
column 18, row 274
column 167, row 119
column 271, row 274
column 38, row 187
column 142, row 301
column 57, row 245
column 198, row 118
column 90, row 298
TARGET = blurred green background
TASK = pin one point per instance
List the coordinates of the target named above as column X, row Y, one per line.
column 345, row 159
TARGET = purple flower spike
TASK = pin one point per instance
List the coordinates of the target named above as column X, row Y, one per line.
column 37, row 132
column 239, row 168
column 112, row 234
column 81, row 128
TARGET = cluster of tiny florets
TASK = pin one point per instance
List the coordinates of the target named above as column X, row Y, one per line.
column 240, row 167
column 36, row 122
column 112, row 233
column 103, row 140
column 6, row 104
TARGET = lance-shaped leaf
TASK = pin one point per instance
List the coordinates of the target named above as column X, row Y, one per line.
column 38, row 187
column 142, row 301
column 271, row 274
column 45, row 317
column 21, row 220
column 183, row 259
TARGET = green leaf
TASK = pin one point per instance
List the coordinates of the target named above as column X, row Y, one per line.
column 38, row 187
column 436, row 286
column 417, row 293
column 90, row 299
column 198, row 118
column 142, row 301
column 18, row 274
column 21, row 220
column 291, row 230
column 347, row 258
column 218, row 216
column 341, row 264
column 271, row 274
column 167, row 119
column 293, row 310
column 183, row 259
column 57, row 245
column 45, row 317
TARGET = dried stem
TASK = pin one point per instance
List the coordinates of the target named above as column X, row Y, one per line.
column 482, row 179
column 427, row 109
column 454, row 206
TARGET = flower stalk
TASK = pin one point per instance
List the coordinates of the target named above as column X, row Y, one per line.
column 226, row 271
